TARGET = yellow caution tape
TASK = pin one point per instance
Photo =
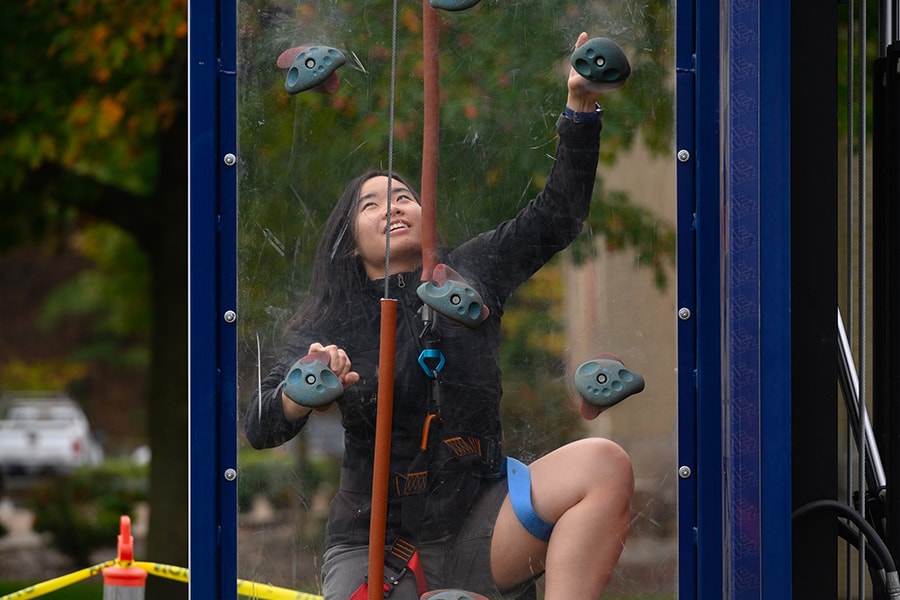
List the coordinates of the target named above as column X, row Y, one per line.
column 51, row 585
column 263, row 591
column 252, row 589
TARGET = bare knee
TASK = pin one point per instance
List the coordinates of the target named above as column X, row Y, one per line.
column 607, row 464
column 595, row 470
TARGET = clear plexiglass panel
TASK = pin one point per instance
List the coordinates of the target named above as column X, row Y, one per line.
column 503, row 68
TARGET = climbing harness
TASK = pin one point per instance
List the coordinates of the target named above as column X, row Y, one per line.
column 400, row 559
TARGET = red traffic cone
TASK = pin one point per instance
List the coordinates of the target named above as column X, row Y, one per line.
column 123, row 581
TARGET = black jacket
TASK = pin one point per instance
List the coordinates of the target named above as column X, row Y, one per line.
column 495, row 263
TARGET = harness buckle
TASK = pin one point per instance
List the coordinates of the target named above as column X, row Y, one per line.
column 435, row 355
column 391, row 579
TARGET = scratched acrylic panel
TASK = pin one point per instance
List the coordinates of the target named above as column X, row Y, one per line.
column 503, row 67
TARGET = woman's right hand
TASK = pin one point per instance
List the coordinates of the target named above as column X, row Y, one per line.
column 338, row 362
column 340, row 365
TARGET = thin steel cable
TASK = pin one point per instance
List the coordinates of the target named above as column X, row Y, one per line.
column 848, row 200
column 850, row 235
column 387, row 354
column 390, row 157
column 862, row 220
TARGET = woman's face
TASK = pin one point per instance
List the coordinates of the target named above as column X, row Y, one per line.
column 372, row 225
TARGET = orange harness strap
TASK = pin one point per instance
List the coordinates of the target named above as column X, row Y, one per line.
column 401, row 559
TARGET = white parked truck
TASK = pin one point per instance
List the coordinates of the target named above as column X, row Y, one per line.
column 45, row 433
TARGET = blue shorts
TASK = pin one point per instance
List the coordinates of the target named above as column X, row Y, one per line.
column 461, row 561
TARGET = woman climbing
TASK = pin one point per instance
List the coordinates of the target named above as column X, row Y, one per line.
column 460, row 515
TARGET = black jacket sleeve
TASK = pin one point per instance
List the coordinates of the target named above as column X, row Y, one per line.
column 264, row 422
column 508, row 255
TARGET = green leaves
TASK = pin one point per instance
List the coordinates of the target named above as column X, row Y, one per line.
column 115, row 292
column 86, row 86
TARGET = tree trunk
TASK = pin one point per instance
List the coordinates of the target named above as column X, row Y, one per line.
column 168, row 389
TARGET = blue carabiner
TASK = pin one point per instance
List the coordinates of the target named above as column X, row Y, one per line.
column 430, row 353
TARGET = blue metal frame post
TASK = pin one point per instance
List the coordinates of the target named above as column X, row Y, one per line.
column 758, row 324
column 687, row 299
column 212, row 298
column 734, row 299
column 699, row 300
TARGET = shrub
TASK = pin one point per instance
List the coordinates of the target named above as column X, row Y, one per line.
column 81, row 510
column 277, row 478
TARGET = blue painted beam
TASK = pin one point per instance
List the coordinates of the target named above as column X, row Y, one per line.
column 685, row 87
column 775, row 390
column 203, row 287
column 699, row 300
column 757, row 296
column 733, row 86
column 211, row 294
column 226, row 410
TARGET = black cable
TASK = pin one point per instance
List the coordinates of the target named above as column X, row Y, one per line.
column 877, row 574
column 888, row 571
column 864, row 526
column 851, row 536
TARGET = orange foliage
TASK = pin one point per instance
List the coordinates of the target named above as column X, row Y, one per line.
column 411, row 20
column 109, row 116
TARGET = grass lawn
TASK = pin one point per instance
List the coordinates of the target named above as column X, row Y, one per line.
column 83, row 590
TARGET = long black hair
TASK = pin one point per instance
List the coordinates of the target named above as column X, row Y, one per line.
column 338, row 275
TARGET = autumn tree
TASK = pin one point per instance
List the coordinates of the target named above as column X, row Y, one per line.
column 93, row 117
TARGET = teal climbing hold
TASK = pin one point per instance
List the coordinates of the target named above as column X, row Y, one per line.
column 450, row 295
column 605, row 381
column 453, row 5
column 312, row 67
column 311, row 383
column 602, row 61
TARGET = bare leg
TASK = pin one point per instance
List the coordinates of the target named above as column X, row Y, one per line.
column 585, row 488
